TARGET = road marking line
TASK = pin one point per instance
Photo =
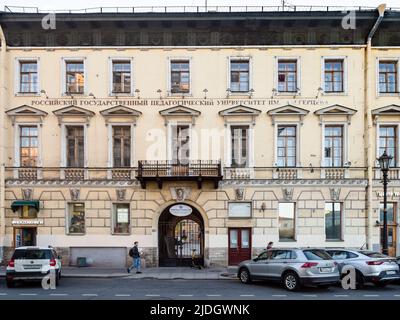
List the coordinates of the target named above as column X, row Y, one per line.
column 309, row 295
column 396, row 295
column 152, row 295
column 122, row 295
column 213, row 295
column 341, row 295
column 90, row 294
column 247, row 295
column 371, row 295
column 186, row 295
column 3, row 294
column 28, row 294
column 279, row 295
column 58, row 294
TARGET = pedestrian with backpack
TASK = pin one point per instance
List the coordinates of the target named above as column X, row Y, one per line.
column 135, row 254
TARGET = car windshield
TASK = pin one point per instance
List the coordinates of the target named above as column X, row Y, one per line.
column 32, row 254
column 315, row 254
column 372, row 254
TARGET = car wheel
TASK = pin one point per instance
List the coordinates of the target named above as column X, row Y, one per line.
column 291, row 281
column 10, row 284
column 359, row 280
column 381, row 284
column 244, row 276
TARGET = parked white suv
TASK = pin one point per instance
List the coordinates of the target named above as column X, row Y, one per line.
column 32, row 263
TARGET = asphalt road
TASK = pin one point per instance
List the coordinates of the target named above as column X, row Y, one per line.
column 86, row 289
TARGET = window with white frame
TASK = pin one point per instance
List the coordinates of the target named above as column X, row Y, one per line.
column 121, row 218
column 333, row 221
column 287, row 75
column 286, row 146
column 75, row 138
column 388, row 142
column 28, row 145
column 239, row 75
column 333, row 146
column 286, row 216
column 180, row 76
column 121, row 76
column 74, row 76
column 28, row 79
column 76, row 218
column 388, row 76
column 121, row 146
column 240, row 146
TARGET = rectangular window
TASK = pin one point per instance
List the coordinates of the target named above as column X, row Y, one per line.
column 388, row 142
column 74, row 77
column 333, row 146
column 240, row 148
column 239, row 209
column 75, row 146
column 180, row 76
column 333, row 221
column 121, row 146
column 180, row 144
column 121, row 76
column 287, row 76
column 27, row 212
column 334, row 72
column 388, row 77
column 76, row 218
column 390, row 209
column 286, row 150
column 286, row 221
column 240, row 70
column 121, row 218
column 28, row 144
column 28, row 77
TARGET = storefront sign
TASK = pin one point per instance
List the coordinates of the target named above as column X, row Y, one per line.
column 389, row 194
column 26, row 222
column 180, row 210
column 239, row 210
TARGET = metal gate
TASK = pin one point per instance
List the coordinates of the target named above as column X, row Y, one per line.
column 179, row 241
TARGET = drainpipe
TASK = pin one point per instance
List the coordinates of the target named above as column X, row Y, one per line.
column 3, row 93
column 368, row 76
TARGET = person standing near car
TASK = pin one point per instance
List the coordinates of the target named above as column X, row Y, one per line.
column 135, row 254
column 269, row 246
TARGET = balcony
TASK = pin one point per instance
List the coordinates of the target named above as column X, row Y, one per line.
column 160, row 171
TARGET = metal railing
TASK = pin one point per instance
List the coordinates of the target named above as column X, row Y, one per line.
column 193, row 9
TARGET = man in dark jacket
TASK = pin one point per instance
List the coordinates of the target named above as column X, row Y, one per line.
column 135, row 254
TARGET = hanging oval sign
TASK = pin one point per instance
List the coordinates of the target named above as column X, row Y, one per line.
column 180, row 210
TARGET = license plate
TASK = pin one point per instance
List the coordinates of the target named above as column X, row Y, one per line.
column 326, row 269
column 391, row 272
column 30, row 267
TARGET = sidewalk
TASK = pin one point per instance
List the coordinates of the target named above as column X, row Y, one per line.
column 166, row 273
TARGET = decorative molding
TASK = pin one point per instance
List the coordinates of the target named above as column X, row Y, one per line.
column 390, row 110
column 75, row 194
column 180, row 193
column 179, row 111
column 120, row 111
column 82, row 183
column 73, row 111
column 335, row 193
column 239, row 111
column 335, row 110
column 288, row 110
column 27, row 194
column 25, row 111
column 121, row 194
column 239, row 194
column 287, row 194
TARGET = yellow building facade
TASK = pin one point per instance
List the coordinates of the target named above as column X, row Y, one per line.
column 205, row 148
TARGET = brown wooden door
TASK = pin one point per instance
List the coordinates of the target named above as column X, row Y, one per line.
column 239, row 245
column 391, row 236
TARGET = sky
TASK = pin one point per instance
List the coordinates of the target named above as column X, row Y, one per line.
column 79, row 4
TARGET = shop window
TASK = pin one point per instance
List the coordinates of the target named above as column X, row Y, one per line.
column 76, row 218
column 121, row 218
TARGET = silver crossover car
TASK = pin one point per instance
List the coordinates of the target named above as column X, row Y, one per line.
column 370, row 266
column 293, row 267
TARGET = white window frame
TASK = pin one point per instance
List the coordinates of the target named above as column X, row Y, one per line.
column 378, row 125
column 298, row 75
column 345, row 75
column 342, row 221
column 249, row 59
column 295, row 213
column 228, row 143
column 285, row 123
column 169, row 138
column 111, row 142
column 345, row 144
column 179, row 58
column 383, row 59
column 17, row 77
column 17, row 149
column 113, row 213
column 110, row 78
column 64, row 61
column 67, row 218
column 63, row 162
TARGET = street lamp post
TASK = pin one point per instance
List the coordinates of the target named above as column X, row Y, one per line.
column 384, row 163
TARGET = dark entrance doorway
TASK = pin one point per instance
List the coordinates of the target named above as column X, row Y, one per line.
column 25, row 236
column 180, row 237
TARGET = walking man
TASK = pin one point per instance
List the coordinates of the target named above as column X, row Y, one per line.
column 135, row 254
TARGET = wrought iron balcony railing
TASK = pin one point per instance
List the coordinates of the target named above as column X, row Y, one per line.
column 159, row 171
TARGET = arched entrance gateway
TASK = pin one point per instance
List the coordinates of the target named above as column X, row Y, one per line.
column 180, row 233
